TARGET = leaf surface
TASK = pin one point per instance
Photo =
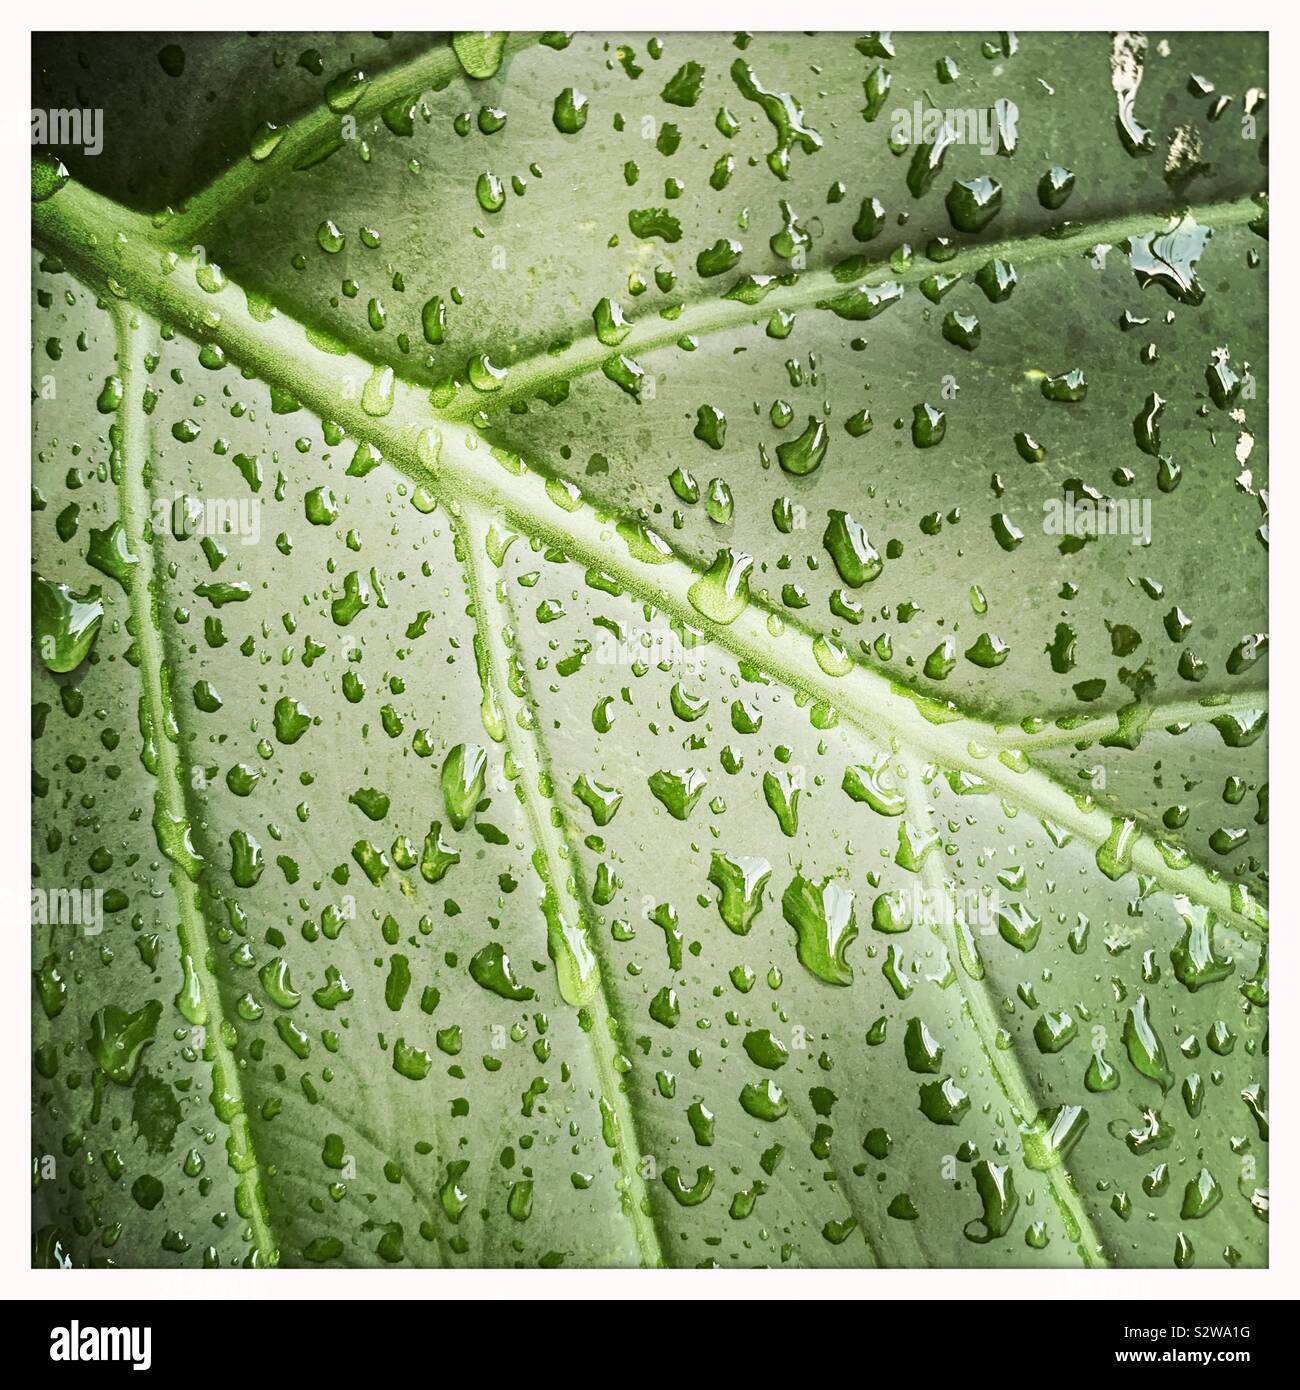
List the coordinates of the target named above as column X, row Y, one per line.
column 594, row 751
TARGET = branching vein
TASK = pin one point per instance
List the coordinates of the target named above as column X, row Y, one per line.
column 107, row 247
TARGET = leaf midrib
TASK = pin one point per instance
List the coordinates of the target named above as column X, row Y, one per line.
column 83, row 228
column 553, row 845
column 134, row 510
column 1004, row 1065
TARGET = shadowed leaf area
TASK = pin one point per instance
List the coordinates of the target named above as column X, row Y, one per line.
column 651, row 651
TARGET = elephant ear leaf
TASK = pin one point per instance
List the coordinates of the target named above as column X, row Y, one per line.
column 651, row 652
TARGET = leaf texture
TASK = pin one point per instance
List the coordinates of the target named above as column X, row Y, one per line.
column 554, row 648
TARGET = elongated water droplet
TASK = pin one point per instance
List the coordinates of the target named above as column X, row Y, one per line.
column 996, row 1185
column 464, row 776
column 740, row 882
column 823, row 920
column 1145, row 1050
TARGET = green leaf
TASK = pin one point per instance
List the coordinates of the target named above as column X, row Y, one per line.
column 684, row 678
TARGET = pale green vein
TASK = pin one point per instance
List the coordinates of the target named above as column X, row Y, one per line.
column 201, row 998
column 107, row 244
column 868, row 699
column 509, row 719
column 531, row 376
column 1003, row 1063
column 315, row 134
column 1069, row 730
column 311, row 137
column 107, row 247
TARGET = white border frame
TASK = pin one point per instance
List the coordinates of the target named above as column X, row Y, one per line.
column 18, row 1280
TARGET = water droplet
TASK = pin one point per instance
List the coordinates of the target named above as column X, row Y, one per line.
column 64, row 624
column 823, row 919
column 721, row 594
